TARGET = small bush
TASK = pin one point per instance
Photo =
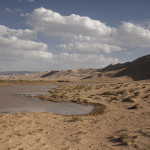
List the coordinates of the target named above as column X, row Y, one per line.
column 126, row 85
column 108, row 93
column 88, row 88
column 132, row 90
column 136, row 94
column 75, row 119
column 136, row 106
column 117, row 87
column 121, row 92
column 54, row 96
column 147, row 96
column 128, row 99
column 124, row 139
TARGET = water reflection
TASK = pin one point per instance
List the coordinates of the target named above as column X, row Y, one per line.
column 14, row 98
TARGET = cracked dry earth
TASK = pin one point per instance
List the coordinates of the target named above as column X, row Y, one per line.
column 125, row 124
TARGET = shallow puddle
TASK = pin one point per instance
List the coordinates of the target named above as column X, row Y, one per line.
column 14, row 98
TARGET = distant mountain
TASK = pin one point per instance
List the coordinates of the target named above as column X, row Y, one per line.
column 15, row 72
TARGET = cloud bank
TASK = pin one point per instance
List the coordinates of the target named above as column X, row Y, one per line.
column 83, row 42
column 19, row 52
column 16, row 46
column 85, row 34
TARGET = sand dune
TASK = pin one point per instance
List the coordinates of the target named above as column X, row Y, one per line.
column 136, row 70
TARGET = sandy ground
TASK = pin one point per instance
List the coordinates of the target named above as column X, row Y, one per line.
column 124, row 124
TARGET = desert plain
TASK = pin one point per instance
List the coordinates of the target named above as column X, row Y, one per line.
column 120, row 119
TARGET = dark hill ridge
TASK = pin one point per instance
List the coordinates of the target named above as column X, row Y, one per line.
column 138, row 69
column 113, row 67
column 49, row 74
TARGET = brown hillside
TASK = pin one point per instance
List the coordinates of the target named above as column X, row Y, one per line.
column 138, row 69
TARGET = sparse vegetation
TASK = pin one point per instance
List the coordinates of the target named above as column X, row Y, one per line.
column 132, row 90
column 88, row 88
column 148, row 90
column 126, row 85
column 124, row 139
column 79, row 87
column 113, row 96
column 98, row 87
column 128, row 99
column 75, row 119
column 147, row 96
column 117, row 87
column 121, row 92
column 108, row 93
column 136, row 94
column 136, row 106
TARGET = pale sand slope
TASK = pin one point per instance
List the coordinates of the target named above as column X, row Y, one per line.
column 78, row 75
column 118, row 128
column 31, row 76
column 65, row 75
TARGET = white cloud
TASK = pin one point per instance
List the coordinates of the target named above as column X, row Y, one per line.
column 85, row 35
column 82, row 41
column 69, row 61
column 19, row 52
column 52, row 23
column 30, row 0
column 26, row 0
column 129, row 53
column 21, row 34
column 9, row 10
column 88, row 47
column 75, row 29
column 131, row 35
column 16, row 47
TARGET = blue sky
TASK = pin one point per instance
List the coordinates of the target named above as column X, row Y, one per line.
column 66, row 34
